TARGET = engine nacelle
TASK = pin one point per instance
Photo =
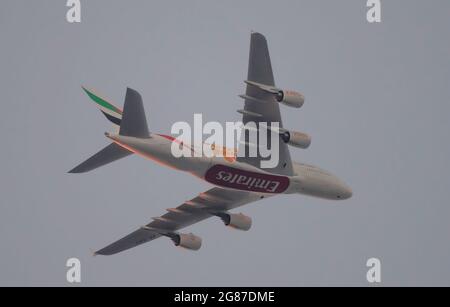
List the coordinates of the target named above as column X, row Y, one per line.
column 296, row 139
column 238, row 221
column 188, row 241
column 290, row 98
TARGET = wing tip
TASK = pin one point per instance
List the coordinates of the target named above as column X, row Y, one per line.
column 102, row 252
column 77, row 170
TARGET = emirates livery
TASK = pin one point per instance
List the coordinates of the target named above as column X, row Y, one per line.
column 237, row 181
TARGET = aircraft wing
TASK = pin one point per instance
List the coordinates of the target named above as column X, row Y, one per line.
column 190, row 212
column 261, row 106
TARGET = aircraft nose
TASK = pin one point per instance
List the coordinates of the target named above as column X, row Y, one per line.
column 346, row 191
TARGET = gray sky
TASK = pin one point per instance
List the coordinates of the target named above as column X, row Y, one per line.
column 377, row 107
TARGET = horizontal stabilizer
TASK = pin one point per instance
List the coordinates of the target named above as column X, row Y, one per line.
column 109, row 154
column 133, row 122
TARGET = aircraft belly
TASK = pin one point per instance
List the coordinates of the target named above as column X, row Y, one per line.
column 245, row 180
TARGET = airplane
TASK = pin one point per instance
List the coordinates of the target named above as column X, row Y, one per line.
column 236, row 182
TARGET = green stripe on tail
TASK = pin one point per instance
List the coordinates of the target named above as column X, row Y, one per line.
column 102, row 102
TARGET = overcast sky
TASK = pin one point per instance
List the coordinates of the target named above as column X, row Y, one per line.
column 377, row 108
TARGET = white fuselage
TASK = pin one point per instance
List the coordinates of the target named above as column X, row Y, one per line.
column 232, row 174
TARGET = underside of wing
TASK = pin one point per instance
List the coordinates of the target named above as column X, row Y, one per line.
column 213, row 202
column 261, row 106
column 134, row 239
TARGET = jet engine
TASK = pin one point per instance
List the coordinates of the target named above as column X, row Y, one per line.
column 188, row 241
column 238, row 221
column 290, row 98
column 296, row 139
column 287, row 97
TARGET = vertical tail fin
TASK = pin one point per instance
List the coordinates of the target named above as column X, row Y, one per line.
column 111, row 112
column 132, row 123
